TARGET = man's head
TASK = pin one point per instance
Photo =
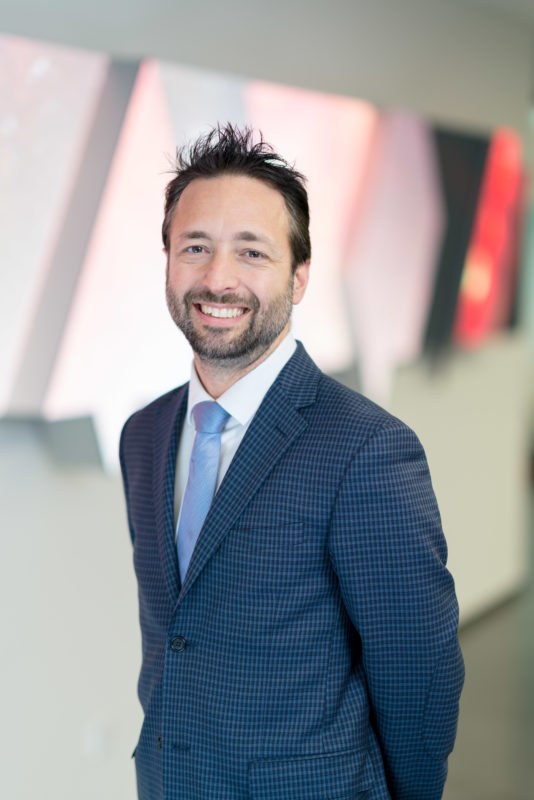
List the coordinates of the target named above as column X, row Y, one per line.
column 234, row 261
column 229, row 151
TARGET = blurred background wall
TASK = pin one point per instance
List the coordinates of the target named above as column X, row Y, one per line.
column 70, row 641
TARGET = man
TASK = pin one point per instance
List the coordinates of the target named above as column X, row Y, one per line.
column 299, row 625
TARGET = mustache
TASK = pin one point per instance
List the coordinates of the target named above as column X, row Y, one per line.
column 191, row 297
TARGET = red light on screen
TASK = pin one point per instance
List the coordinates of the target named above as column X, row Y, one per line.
column 486, row 289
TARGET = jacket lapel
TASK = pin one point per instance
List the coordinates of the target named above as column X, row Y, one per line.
column 275, row 426
column 167, row 426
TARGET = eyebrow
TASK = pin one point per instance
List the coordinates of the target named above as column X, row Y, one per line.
column 241, row 236
column 194, row 235
column 249, row 236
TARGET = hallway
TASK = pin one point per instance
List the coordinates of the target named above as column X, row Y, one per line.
column 494, row 754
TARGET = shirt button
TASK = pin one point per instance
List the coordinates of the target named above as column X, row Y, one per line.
column 178, row 644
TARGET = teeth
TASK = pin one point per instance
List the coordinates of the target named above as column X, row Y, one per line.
column 221, row 312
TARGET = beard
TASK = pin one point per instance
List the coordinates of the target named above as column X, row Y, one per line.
column 220, row 346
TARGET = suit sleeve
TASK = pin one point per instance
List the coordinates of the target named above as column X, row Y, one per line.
column 389, row 552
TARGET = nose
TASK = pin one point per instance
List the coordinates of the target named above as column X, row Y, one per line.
column 221, row 273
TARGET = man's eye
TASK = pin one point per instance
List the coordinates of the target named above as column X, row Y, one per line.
column 254, row 254
column 195, row 248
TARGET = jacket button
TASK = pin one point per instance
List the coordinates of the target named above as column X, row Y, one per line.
column 178, row 644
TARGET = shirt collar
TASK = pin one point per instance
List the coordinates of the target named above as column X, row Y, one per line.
column 244, row 397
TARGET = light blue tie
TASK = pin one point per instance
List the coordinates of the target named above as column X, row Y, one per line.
column 209, row 419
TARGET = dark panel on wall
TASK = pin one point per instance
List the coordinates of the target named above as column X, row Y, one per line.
column 461, row 160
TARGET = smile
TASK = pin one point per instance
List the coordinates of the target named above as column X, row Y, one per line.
column 222, row 313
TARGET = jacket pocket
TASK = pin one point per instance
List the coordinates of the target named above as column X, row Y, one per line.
column 337, row 776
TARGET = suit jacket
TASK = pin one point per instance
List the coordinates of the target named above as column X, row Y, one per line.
column 311, row 652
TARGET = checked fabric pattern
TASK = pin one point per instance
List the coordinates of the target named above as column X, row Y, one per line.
column 209, row 419
column 311, row 650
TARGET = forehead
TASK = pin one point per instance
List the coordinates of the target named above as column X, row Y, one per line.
column 231, row 202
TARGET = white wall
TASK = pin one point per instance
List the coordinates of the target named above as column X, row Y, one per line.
column 70, row 641
column 472, row 415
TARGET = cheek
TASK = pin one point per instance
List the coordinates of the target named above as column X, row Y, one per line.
column 269, row 287
column 178, row 278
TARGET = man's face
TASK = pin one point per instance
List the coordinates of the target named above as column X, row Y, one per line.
column 229, row 282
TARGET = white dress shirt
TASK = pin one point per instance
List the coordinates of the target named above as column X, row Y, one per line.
column 241, row 401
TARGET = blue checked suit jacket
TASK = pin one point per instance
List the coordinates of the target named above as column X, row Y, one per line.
column 311, row 652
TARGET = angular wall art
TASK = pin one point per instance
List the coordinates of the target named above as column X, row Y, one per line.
column 414, row 229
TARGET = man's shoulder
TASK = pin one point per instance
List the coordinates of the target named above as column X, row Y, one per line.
column 143, row 419
column 346, row 415
column 349, row 411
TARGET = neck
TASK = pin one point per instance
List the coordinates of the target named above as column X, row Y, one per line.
column 217, row 376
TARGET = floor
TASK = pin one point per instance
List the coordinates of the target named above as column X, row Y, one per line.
column 494, row 754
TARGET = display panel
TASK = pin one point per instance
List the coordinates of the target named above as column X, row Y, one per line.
column 48, row 96
column 398, row 216
column 489, row 275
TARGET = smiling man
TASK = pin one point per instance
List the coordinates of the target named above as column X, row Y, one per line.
column 230, row 281
column 299, row 624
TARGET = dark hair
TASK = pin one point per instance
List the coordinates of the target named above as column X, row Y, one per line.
column 231, row 151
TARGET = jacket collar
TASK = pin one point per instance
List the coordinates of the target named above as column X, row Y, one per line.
column 277, row 423
column 168, row 422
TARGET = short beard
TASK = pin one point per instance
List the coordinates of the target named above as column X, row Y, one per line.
column 211, row 346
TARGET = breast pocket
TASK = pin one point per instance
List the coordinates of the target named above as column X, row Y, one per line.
column 268, row 537
column 270, row 556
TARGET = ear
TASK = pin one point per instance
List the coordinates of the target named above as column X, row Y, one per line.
column 300, row 281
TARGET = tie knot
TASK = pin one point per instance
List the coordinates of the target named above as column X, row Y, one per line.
column 209, row 417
